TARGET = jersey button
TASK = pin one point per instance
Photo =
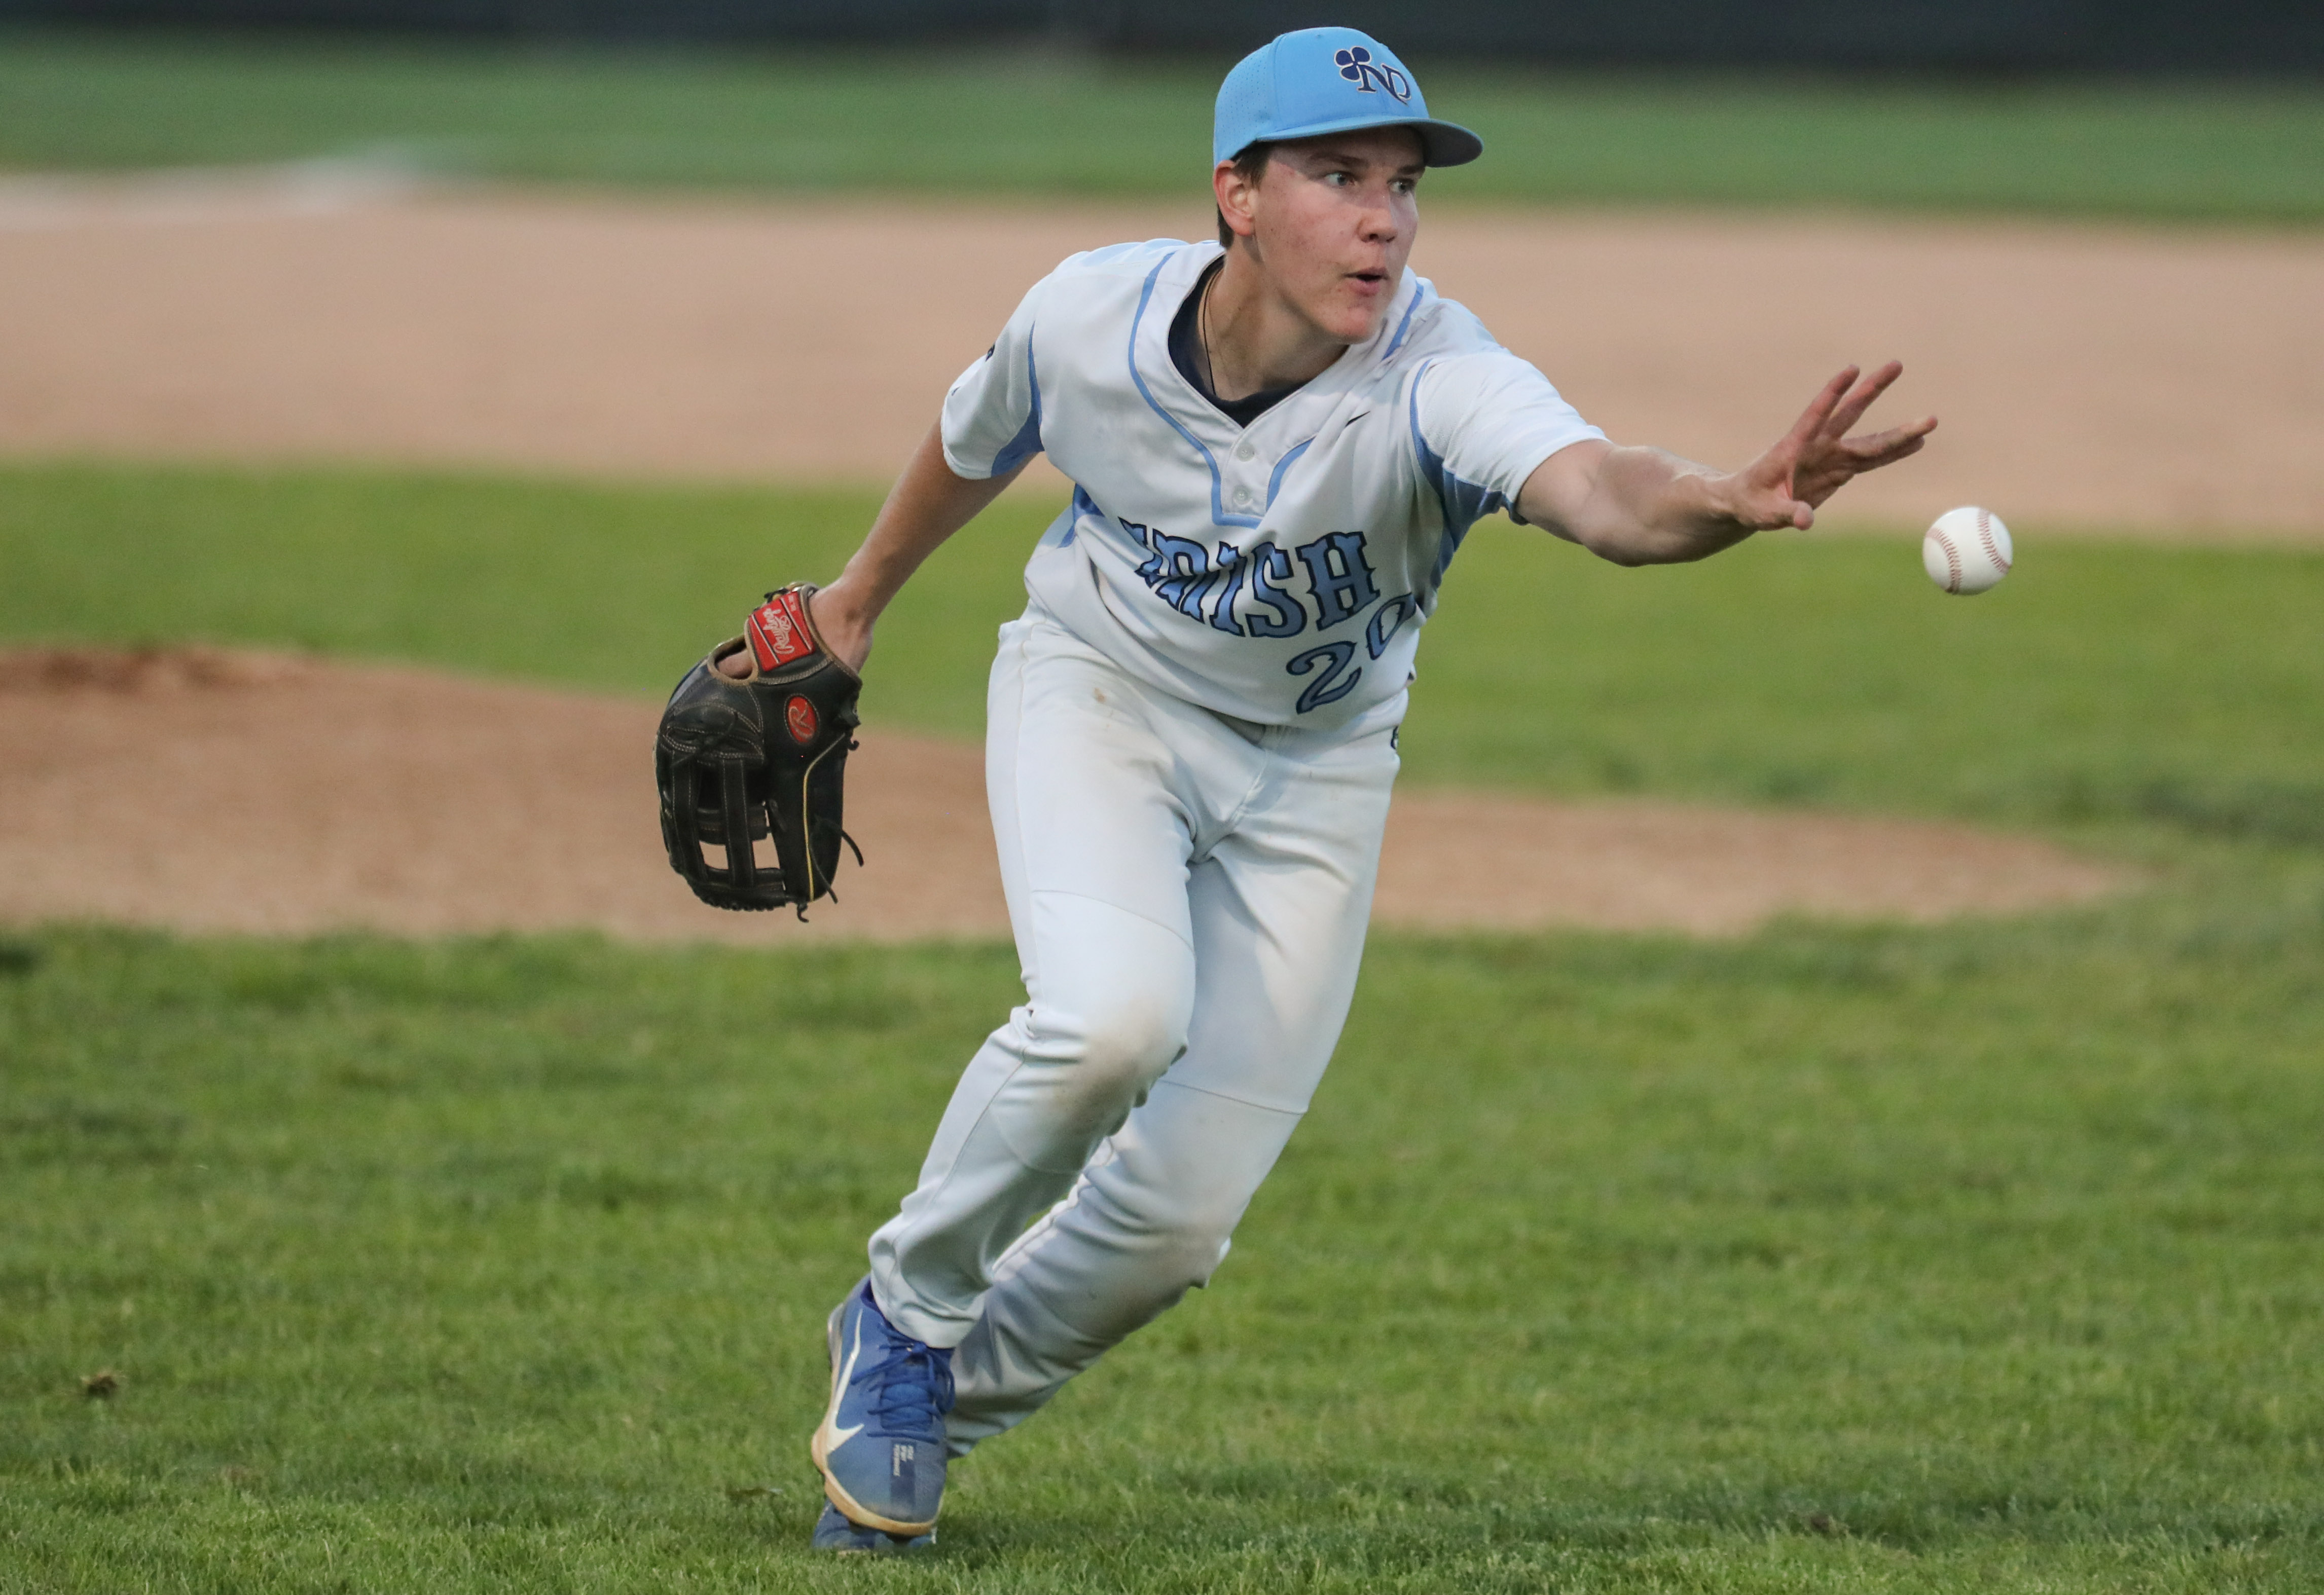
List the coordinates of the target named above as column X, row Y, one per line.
column 1244, row 451
column 1242, row 498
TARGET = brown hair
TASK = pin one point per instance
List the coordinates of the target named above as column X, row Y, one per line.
column 1248, row 165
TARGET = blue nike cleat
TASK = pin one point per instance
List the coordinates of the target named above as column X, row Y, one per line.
column 880, row 1446
column 833, row 1532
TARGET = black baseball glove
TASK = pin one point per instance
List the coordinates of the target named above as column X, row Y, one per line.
column 764, row 757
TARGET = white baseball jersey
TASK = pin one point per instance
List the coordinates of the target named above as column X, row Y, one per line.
column 1278, row 574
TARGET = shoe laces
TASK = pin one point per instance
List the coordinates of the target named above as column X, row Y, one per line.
column 910, row 1389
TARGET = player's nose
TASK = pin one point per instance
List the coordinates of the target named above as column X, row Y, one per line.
column 1379, row 223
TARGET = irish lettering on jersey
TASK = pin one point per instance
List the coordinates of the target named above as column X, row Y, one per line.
column 1267, row 591
column 1278, row 573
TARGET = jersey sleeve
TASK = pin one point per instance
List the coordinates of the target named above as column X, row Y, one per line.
column 1481, row 422
column 993, row 415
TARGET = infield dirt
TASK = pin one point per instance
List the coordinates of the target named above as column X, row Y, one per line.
column 216, row 791
column 2084, row 375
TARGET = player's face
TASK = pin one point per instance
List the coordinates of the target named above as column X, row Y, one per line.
column 1334, row 218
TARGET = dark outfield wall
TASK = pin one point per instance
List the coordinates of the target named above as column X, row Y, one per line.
column 2008, row 36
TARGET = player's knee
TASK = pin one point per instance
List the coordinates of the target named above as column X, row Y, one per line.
column 1188, row 1250
column 1093, row 1063
column 1186, row 1229
column 1126, row 1044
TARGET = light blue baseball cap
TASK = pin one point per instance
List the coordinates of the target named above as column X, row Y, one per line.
column 1328, row 80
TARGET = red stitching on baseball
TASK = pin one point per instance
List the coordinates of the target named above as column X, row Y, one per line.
column 1985, row 536
column 1952, row 559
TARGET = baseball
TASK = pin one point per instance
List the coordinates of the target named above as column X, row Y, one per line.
column 1966, row 550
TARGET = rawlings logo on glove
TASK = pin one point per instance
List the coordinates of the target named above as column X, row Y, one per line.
column 728, row 780
column 799, row 719
column 777, row 629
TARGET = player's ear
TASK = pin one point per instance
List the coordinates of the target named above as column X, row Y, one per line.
column 1234, row 184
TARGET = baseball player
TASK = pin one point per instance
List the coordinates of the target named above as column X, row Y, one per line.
column 1277, row 442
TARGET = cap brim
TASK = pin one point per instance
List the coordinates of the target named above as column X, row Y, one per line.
column 1442, row 143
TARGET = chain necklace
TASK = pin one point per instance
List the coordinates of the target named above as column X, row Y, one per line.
column 1203, row 335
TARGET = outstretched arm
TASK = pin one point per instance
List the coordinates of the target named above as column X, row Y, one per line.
column 928, row 503
column 1646, row 506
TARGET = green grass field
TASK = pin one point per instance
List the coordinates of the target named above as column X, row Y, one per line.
column 1981, row 1257
column 1045, row 124
column 1947, row 1260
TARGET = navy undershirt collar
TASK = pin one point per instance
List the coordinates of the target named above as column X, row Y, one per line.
column 1186, row 354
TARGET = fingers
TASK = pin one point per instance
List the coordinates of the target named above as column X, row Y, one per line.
column 1890, row 455
column 1811, row 424
column 1850, row 410
column 1816, row 457
column 1835, row 460
column 1798, row 514
column 1828, row 477
column 1883, row 447
column 1777, row 509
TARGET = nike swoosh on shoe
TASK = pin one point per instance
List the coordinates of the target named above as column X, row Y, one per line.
column 837, row 1436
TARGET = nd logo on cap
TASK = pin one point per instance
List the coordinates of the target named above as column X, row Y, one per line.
column 1321, row 80
column 1356, row 65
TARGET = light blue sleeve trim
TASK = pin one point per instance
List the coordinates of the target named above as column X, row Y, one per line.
column 1060, row 534
column 1218, row 507
column 1066, row 526
column 1028, row 441
column 1464, row 502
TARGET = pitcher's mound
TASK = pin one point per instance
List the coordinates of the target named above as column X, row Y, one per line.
column 206, row 790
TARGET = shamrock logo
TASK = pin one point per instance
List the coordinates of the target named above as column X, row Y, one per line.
column 1357, row 66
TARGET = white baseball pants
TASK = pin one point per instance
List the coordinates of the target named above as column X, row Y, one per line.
column 1189, row 895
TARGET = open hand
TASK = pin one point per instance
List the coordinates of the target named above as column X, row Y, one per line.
column 1816, row 458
